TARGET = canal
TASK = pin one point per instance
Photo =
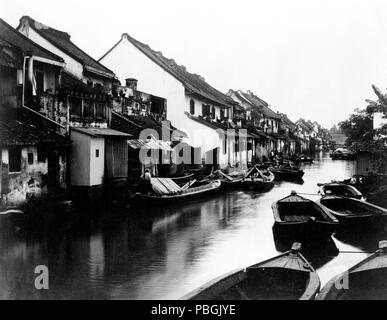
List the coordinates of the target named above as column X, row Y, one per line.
column 164, row 253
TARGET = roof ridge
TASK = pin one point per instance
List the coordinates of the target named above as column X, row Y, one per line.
column 180, row 72
column 19, row 34
column 65, row 36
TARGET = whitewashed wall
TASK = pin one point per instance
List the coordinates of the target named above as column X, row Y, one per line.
column 72, row 66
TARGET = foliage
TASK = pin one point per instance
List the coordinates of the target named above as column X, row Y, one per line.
column 362, row 136
column 358, row 128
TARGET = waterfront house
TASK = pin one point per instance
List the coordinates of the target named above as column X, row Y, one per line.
column 82, row 107
column 34, row 158
column 78, row 63
column 266, row 122
column 257, row 139
column 194, row 106
column 288, row 128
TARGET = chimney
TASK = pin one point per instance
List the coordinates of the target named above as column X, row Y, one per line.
column 131, row 83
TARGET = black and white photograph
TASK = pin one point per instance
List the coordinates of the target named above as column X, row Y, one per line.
column 216, row 151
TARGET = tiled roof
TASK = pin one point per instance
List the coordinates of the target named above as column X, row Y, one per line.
column 62, row 41
column 267, row 112
column 134, row 124
column 10, row 56
column 287, row 120
column 18, row 129
column 193, row 83
column 16, row 39
column 212, row 124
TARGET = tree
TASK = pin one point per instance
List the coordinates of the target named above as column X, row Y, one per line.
column 358, row 128
column 361, row 134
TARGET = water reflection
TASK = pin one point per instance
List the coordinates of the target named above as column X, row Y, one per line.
column 152, row 253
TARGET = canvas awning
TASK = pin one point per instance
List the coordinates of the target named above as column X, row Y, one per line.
column 152, row 144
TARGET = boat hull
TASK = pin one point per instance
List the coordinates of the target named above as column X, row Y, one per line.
column 143, row 199
column 288, row 175
column 306, row 231
column 286, row 277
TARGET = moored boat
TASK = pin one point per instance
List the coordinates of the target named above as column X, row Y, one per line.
column 367, row 280
column 355, row 212
column 287, row 171
column 254, row 179
column 185, row 194
column 342, row 154
column 288, row 276
column 340, row 189
column 299, row 218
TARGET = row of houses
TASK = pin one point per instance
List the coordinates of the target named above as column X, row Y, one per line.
column 70, row 121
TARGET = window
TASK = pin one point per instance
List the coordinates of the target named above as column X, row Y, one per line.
column 76, row 107
column 14, row 155
column 192, row 106
column 206, row 110
column 221, row 113
column 30, row 158
column 225, row 145
column 88, row 109
column 42, row 154
column 100, row 110
column 39, row 82
column 97, row 153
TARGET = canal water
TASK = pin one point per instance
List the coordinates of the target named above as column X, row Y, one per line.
column 163, row 253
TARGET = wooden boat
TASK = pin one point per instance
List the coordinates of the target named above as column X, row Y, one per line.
column 288, row 276
column 339, row 189
column 254, row 179
column 355, row 212
column 300, row 218
column 184, row 194
column 303, row 159
column 287, row 171
column 12, row 217
column 258, row 180
column 367, row 280
column 342, row 154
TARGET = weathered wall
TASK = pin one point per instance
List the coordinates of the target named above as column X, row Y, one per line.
column 18, row 187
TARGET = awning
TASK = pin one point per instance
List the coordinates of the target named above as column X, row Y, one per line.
column 152, row 144
column 100, row 132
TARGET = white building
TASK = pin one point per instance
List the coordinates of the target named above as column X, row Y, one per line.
column 77, row 63
column 192, row 104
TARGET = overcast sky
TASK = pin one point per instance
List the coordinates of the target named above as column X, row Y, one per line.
column 307, row 58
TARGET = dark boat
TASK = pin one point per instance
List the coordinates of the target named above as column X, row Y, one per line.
column 367, row 280
column 287, row 171
column 182, row 195
column 342, row 154
column 12, row 218
column 303, row 158
column 355, row 212
column 258, row 180
column 288, row 276
column 299, row 218
column 340, row 189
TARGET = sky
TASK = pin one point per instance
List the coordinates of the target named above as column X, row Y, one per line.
column 307, row 58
